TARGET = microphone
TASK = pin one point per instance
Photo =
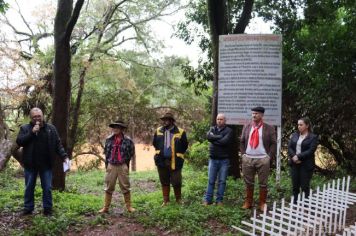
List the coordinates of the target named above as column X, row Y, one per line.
column 37, row 123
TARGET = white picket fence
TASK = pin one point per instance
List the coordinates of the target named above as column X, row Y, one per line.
column 323, row 213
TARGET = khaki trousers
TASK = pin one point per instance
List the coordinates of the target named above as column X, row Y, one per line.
column 251, row 166
column 120, row 172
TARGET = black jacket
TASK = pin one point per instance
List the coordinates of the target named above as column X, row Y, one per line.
column 179, row 147
column 26, row 137
column 220, row 142
column 308, row 147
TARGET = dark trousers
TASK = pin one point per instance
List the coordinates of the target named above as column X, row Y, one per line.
column 167, row 176
column 301, row 177
column 30, row 184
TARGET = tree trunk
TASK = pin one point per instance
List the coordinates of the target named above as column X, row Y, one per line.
column 64, row 23
column 5, row 144
column 218, row 26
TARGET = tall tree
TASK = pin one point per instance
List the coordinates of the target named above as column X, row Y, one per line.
column 64, row 23
column 118, row 23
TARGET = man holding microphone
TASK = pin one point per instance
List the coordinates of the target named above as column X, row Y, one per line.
column 40, row 142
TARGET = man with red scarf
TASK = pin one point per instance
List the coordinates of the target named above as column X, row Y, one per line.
column 119, row 149
column 258, row 146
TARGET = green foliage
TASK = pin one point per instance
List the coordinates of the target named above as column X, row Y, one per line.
column 319, row 70
column 3, row 6
column 75, row 208
column 199, row 130
column 198, row 155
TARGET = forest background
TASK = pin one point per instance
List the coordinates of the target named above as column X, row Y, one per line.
column 87, row 63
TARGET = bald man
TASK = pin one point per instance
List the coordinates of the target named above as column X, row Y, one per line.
column 220, row 138
column 40, row 142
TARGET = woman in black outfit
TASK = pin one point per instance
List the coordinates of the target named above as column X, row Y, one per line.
column 301, row 149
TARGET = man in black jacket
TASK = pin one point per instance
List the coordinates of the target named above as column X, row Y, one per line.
column 220, row 138
column 40, row 142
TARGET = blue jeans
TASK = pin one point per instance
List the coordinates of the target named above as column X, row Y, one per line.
column 30, row 184
column 218, row 169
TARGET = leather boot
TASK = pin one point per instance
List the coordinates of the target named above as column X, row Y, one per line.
column 263, row 198
column 127, row 197
column 178, row 194
column 165, row 192
column 107, row 202
column 248, row 198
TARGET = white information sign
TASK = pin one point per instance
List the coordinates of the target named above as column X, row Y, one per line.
column 250, row 75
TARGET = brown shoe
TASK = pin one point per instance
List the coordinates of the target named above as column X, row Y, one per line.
column 220, row 204
column 107, row 202
column 205, row 203
column 249, row 198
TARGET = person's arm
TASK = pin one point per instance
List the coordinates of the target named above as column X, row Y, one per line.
column 310, row 151
column 211, row 136
column 184, row 142
column 24, row 136
column 273, row 144
column 291, row 148
column 154, row 141
column 242, row 141
column 225, row 139
column 132, row 153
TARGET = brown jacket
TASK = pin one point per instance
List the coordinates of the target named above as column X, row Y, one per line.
column 268, row 136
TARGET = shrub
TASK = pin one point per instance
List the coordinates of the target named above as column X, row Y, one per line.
column 198, row 132
column 198, row 155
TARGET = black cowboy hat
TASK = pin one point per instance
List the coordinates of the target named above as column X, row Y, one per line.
column 118, row 123
column 168, row 115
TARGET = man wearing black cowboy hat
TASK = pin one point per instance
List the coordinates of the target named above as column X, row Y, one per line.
column 119, row 149
column 170, row 143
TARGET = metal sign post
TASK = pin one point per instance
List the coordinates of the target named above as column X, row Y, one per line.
column 278, row 158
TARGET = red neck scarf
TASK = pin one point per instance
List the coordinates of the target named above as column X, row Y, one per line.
column 116, row 154
column 255, row 135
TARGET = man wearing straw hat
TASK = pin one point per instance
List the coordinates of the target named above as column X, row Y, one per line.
column 170, row 143
column 119, row 149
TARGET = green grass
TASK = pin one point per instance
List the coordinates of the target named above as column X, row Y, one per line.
column 76, row 207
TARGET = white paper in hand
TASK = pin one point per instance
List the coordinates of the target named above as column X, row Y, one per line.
column 66, row 165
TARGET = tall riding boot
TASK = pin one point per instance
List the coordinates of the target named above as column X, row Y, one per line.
column 178, row 193
column 248, row 198
column 165, row 192
column 263, row 198
column 107, row 202
column 127, row 197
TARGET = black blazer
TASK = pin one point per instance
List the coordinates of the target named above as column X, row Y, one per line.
column 308, row 147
